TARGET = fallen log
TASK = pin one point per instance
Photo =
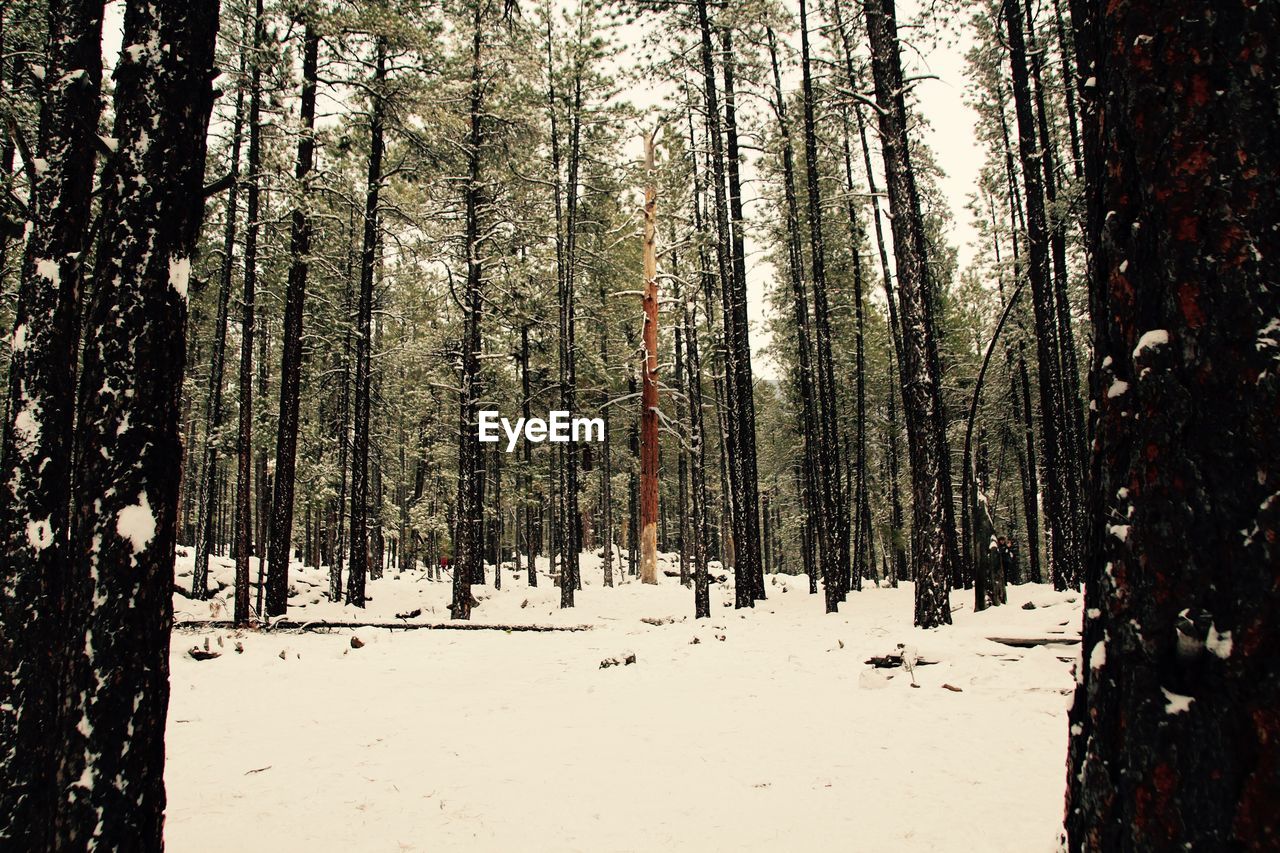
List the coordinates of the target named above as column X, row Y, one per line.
column 286, row 626
column 1028, row 642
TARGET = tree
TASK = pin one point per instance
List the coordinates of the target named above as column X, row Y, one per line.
column 649, row 387
column 359, row 568
column 280, row 546
column 119, row 605
column 933, row 528
column 244, row 437
column 1175, row 738
column 35, row 460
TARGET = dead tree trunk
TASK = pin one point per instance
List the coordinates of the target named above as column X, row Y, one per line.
column 649, row 386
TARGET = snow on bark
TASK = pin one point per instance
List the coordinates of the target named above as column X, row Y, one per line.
column 119, row 608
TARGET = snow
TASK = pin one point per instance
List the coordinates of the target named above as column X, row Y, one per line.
column 1218, row 643
column 137, row 524
column 39, row 534
column 20, row 337
column 1151, row 340
column 1176, row 703
column 1098, row 656
column 1117, row 388
column 754, row 730
column 48, row 270
column 180, row 275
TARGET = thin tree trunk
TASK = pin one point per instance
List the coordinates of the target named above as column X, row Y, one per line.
column 244, row 438
column 649, row 387
column 213, row 412
column 281, row 532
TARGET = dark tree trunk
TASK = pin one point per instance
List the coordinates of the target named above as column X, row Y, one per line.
column 1175, row 734
column 1060, row 468
column 527, row 450
column 933, row 550
column 120, row 606
column 833, row 543
column 281, row 533
column 344, row 440
column 697, row 452
column 810, row 430
column 732, row 436
column 358, row 572
column 34, row 522
column 682, row 461
column 469, row 515
column 244, row 438
column 738, row 342
column 245, row 433
column 210, row 485
column 606, row 456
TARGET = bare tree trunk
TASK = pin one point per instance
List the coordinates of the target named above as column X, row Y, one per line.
column 649, row 387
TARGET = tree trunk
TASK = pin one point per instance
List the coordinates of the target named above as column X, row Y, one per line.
column 213, row 411
column 933, row 530
column 1175, row 736
column 120, row 605
column 649, row 387
column 697, row 450
column 36, row 460
column 281, row 534
column 358, row 571
column 467, row 540
column 1060, row 469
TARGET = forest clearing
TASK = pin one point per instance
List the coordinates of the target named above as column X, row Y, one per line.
column 712, row 740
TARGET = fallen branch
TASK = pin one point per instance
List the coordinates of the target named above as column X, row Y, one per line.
column 302, row 627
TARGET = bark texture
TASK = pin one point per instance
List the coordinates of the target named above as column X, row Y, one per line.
column 1175, row 728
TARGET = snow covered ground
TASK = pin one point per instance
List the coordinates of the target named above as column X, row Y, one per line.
column 757, row 730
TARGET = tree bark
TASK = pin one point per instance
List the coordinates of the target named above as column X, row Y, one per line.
column 213, row 411
column 244, row 437
column 358, row 570
column 1175, row 735
column 36, row 456
column 120, row 606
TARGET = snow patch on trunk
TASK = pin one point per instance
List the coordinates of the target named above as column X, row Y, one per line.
column 180, row 275
column 1151, row 340
column 137, row 524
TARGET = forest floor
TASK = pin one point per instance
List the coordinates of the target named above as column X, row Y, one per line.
column 757, row 730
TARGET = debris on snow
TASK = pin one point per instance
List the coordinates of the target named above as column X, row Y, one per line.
column 624, row 659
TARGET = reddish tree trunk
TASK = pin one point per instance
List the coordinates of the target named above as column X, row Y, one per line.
column 1175, row 735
